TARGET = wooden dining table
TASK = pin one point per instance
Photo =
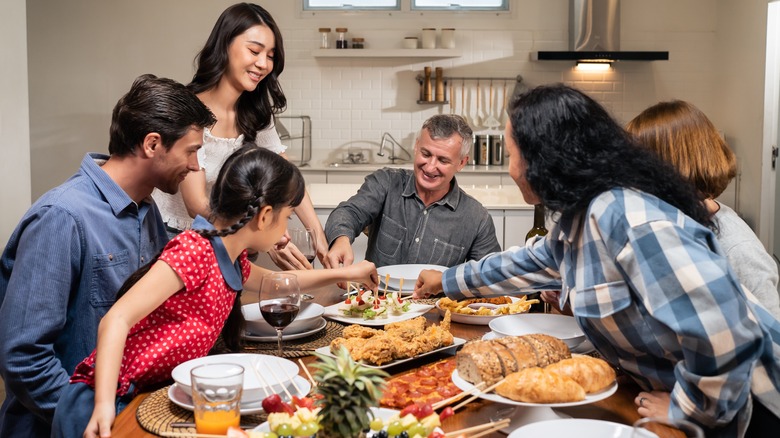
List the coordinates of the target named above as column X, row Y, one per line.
column 619, row 407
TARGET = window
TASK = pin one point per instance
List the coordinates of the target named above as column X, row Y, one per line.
column 312, row 5
column 461, row 5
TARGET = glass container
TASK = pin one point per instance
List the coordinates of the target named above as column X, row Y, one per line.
column 341, row 40
column 324, row 38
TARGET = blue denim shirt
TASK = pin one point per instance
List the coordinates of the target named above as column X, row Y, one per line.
column 403, row 230
column 59, row 274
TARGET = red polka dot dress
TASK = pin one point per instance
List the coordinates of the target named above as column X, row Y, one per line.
column 187, row 324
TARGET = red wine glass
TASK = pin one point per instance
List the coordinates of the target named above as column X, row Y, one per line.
column 280, row 301
column 303, row 239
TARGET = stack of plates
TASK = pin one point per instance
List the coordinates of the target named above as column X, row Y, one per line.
column 273, row 374
column 308, row 322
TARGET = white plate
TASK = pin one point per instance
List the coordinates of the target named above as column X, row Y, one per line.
column 584, row 348
column 408, row 272
column 415, row 310
column 308, row 318
column 283, row 370
column 589, row 398
column 456, row 343
column 474, row 319
column 286, row 336
column 183, row 398
column 383, row 413
column 581, row 428
column 562, row 327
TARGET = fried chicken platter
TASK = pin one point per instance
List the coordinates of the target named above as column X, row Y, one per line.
column 398, row 340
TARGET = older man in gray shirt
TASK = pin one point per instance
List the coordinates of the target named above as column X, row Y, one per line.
column 420, row 215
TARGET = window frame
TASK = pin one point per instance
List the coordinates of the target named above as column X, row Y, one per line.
column 306, row 7
column 504, row 7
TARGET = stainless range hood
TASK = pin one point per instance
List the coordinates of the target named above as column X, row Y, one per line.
column 594, row 36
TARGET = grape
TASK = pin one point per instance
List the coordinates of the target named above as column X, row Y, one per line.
column 284, row 429
column 377, row 424
column 307, row 429
column 417, row 429
column 395, row 428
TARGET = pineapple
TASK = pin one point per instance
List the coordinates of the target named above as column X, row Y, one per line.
column 348, row 390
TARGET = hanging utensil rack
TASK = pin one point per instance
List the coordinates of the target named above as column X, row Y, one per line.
column 421, row 79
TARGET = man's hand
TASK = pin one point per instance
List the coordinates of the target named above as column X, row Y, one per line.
column 363, row 272
column 289, row 257
column 340, row 253
column 428, row 284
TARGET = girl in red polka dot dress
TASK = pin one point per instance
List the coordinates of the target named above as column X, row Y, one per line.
column 175, row 308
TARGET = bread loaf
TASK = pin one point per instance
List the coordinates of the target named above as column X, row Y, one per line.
column 591, row 373
column 492, row 360
column 539, row 385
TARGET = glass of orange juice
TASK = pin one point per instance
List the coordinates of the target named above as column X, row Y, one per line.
column 216, row 396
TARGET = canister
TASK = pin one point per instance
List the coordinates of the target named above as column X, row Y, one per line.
column 497, row 150
column 482, row 149
column 429, row 38
column 448, row 38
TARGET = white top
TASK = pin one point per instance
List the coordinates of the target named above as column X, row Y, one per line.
column 754, row 267
column 211, row 156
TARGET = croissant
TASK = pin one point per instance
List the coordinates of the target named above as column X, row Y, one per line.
column 591, row 373
column 538, row 385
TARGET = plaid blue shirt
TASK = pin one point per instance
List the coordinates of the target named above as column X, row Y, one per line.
column 653, row 292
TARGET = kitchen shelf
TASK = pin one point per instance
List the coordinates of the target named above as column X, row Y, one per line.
column 386, row 53
column 433, row 102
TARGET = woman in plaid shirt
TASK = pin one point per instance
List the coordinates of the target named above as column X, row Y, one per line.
column 635, row 256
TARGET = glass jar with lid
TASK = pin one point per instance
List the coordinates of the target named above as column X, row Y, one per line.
column 341, row 39
column 324, row 38
column 358, row 43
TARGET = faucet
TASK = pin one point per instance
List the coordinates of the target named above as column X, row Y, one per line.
column 386, row 137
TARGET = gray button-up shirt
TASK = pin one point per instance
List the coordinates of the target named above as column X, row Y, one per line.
column 403, row 230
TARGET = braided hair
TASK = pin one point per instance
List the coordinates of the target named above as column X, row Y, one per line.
column 250, row 179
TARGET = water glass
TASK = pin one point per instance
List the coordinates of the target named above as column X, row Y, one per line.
column 216, row 396
column 654, row 427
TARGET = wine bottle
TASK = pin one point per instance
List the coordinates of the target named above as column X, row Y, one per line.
column 538, row 229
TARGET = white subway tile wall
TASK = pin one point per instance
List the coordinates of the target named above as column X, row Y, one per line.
column 352, row 101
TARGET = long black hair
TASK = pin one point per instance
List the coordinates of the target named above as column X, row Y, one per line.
column 255, row 109
column 251, row 178
column 575, row 151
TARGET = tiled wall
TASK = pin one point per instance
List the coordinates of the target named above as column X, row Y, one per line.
column 352, row 101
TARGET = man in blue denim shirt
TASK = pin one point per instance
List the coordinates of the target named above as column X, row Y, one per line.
column 80, row 241
column 420, row 215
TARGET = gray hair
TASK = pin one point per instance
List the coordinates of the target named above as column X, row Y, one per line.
column 447, row 125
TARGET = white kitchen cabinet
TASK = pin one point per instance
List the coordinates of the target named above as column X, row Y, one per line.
column 466, row 179
column 517, row 223
column 349, row 177
column 314, row 176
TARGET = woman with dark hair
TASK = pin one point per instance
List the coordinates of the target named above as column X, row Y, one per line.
column 632, row 254
column 237, row 77
column 173, row 309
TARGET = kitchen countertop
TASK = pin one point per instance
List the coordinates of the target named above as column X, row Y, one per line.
column 492, row 197
column 370, row 167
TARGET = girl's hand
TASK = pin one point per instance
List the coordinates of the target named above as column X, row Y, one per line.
column 653, row 404
column 428, row 284
column 364, row 272
column 100, row 424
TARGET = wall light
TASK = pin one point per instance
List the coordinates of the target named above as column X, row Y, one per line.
column 593, row 66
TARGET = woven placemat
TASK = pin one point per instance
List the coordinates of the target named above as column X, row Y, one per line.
column 290, row 349
column 156, row 413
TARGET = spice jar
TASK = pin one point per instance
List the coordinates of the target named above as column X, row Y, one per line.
column 341, row 40
column 429, row 38
column 410, row 43
column 448, row 38
column 357, row 43
column 324, row 38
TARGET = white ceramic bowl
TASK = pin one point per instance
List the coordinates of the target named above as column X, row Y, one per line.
column 273, row 373
column 562, row 327
column 581, row 428
column 309, row 317
column 408, row 272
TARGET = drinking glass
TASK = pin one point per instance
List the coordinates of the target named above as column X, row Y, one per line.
column 280, row 301
column 216, row 396
column 653, row 427
column 303, row 238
